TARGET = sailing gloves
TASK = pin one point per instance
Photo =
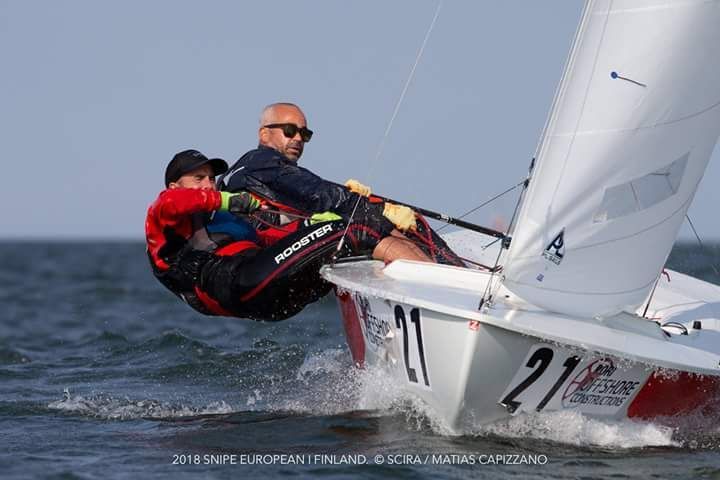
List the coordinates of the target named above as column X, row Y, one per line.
column 239, row 203
column 357, row 187
column 401, row 216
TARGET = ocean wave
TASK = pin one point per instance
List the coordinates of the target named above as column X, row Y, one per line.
column 327, row 384
column 9, row 356
column 573, row 428
column 113, row 408
column 269, row 376
column 166, row 347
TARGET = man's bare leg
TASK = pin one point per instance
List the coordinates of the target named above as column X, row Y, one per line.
column 398, row 247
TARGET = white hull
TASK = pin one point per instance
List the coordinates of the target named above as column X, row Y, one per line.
column 628, row 139
column 421, row 323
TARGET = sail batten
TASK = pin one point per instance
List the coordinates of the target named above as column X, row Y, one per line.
column 623, row 151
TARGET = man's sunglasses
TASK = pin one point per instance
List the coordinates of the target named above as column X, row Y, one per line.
column 290, row 130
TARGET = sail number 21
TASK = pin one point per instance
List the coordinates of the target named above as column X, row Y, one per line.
column 402, row 324
column 539, row 362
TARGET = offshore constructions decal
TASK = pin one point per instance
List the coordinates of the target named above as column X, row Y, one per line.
column 404, row 333
column 554, row 378
column 375, row 328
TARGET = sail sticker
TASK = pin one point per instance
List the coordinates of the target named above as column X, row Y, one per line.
column 555, row 251
column 375, row 328
column 600, row 387
column 555, row 378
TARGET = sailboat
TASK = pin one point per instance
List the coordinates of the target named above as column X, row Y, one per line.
column 579, row 315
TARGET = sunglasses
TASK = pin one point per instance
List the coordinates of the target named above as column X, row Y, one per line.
column 290, row 130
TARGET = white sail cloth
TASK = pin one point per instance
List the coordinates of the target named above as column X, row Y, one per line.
column 633, row 125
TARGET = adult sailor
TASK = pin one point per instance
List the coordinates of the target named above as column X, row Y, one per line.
column 271, row 172
column 230, row 268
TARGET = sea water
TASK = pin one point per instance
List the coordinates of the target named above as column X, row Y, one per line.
column 103, row 373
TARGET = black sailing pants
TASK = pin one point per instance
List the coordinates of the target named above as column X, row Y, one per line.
column 276, row 282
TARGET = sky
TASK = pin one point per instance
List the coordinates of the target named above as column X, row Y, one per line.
column 97, row 96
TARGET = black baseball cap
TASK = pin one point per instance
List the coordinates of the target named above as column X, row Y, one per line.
column 187, row 161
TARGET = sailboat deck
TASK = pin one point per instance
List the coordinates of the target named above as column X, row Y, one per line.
column 457, row 292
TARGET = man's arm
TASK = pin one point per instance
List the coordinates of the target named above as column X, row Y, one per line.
column 265, row 172
column 322, row 196
column 313, row 193
column 179, row 202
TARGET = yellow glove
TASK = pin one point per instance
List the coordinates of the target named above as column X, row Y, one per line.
column 357, row 187
column 401, row 216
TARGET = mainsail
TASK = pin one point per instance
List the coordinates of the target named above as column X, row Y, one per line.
column 634, row 123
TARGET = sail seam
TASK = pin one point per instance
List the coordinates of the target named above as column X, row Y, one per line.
column 687, row 4
column 664, row 220
column 582, row 111
column 628, row 130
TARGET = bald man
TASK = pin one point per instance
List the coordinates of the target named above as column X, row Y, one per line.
column 271, row 172
column 283, row 127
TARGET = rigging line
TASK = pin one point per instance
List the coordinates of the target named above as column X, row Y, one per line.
column 464, row 259
column 483, row 204
column 702, row 246
column 405, row 88
column 287, row 214
column 487, row 295
column 392, row 120
column 652, row 294
column 282, row 228
column 486, row 246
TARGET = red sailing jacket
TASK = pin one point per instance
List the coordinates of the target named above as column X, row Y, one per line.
column 176, row 221
column 170, row 219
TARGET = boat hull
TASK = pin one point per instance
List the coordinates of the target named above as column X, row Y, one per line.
column 471, row 371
